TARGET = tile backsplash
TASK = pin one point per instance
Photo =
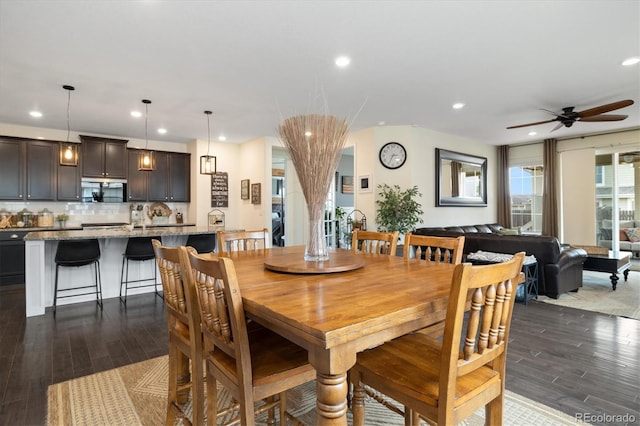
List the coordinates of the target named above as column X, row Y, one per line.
column 88, row 212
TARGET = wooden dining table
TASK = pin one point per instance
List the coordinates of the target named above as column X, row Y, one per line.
column 336, row 315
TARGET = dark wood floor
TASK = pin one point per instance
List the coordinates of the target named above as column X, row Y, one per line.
column 575, row 361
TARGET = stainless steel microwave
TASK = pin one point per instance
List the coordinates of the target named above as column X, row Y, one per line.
column 103, row 190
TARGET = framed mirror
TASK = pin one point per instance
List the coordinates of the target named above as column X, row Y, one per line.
column 461, row 179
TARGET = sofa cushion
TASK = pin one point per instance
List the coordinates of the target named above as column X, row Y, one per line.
column 483, row 228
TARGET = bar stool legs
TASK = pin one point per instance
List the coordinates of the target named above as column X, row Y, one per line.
column 77, row 253
column 139, row 249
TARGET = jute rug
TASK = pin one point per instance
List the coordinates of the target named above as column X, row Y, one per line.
column 596, row 294
column 136, row 395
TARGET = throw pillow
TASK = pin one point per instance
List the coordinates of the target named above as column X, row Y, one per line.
column 633, row 234
column 623, row 234
column 508, row 231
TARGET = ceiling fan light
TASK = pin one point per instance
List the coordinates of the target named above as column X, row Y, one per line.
column 631, row 61
column 628, row 158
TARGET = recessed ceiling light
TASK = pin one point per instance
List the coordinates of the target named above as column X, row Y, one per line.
column 35, row 114
column 222, row 138
column 343, row 61
column 162, row 131
column 381, row 123
column 40, row 137
column 532, row 133
column 136, row 114
column 458, row 105
column 631, row 61
column 307, row 133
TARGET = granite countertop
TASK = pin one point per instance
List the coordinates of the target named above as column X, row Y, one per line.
column 79, row 228
column 116, row 232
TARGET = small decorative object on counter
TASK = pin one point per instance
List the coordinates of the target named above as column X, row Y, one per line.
column 45, row 219
column 5, row 219
column 179, row 218
column 62, row 219
column 25, row 219
column 216, row 220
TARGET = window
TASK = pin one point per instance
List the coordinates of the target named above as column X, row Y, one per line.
column 600, row 175
column 526, row 198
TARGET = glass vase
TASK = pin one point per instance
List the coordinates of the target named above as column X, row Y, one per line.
column 316, row 249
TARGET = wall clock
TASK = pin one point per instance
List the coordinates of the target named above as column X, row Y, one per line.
column 393, row 155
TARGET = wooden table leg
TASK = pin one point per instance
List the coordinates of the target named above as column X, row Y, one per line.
column 331, row 393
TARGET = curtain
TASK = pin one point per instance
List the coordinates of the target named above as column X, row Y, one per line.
column 504, row 193
column 456, row 169
column 550, row 192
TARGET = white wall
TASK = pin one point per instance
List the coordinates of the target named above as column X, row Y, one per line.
column 420, row 170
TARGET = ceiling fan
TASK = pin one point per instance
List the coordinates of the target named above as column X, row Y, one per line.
column 568, row 116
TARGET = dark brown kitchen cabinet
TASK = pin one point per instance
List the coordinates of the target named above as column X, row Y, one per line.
column 170, row 181
column 69, row 182
column 103, row 157
column 13, row 155
column 12, row 257
column 42, row 172
column 137, row 181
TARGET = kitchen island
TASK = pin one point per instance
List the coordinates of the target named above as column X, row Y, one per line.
column 40, row 251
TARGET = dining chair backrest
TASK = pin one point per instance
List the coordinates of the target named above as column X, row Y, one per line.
column 479, row 340
column 434, row 249
column 243, row 240
column 374, row 242
column 185, row 335
column 221, row 310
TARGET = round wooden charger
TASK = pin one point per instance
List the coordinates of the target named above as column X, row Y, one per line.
column 339, row 261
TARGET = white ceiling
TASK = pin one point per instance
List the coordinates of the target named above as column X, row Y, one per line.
column 255, row 62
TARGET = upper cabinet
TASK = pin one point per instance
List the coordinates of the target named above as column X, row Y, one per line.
column 13, row 155
column 42, row 170
column 170, row 181
column 104, row 157
column 28, row 169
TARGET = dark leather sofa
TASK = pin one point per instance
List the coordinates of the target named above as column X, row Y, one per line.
column 559, row 268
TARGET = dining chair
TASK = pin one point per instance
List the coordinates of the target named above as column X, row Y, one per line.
column 185, row 338
column 433, row 249
column 243, row 240
column 446, row 381
column 374, row 242
column 253, row 364
column 436, row 250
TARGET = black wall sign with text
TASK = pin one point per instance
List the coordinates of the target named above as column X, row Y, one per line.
column 220, row 189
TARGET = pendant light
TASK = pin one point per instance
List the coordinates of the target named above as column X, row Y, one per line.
column 208, row 162
column 146, row 158
column 68, row 150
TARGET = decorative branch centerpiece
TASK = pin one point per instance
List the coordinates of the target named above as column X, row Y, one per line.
column 314, row 144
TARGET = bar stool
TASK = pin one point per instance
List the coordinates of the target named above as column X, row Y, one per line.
column 139, row 249
column 203, row 243
column 76, row 253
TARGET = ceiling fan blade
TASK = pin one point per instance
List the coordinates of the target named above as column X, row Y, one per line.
column 531, row 124
column 608, row 117
column 557, row 127
column 605, row 108
column 554, row 113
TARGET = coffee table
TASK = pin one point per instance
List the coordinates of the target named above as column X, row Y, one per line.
column 615, row 262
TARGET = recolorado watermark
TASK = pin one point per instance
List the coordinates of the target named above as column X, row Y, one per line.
column 605, row 418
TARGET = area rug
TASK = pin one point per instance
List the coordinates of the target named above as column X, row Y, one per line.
column 597, row 295
column 136, row 395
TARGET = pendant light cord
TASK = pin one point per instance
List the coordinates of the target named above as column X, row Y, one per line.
column 146, row 126
column 68, row 114
column 208, row 113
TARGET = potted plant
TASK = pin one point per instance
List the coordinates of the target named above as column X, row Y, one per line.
column 397, row 209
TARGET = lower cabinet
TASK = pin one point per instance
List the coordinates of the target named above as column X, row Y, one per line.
column 12, row 257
